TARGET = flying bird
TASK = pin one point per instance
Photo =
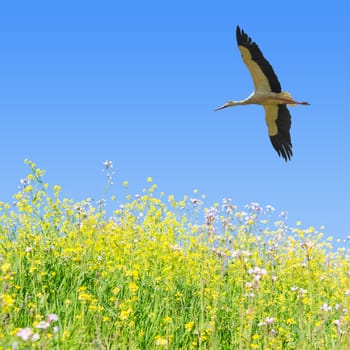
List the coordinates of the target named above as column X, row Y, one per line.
column 268, row 93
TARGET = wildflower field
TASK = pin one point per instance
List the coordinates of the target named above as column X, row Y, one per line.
column 160, row 273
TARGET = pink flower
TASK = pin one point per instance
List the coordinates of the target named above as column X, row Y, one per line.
column 42, row 325
column 35, row 337
column 51, row 318
column 325, row 307
column 267, row 322
column 24, row 333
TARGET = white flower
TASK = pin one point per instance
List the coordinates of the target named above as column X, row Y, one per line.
column 283, row 214
column 273, row 332
column 175, row 247
column 307, row 244
column 300, row 291
column 337, row 323
column 269, row 208
column 235, row 254
column 257, row 271
column 35, row 337
column 267, row 322
column 24, row 333
column 250, row 295
column 42, row 325
column 250, row 285
column 24, row 182
column 325, row 307
column 254, row 206
column 195, row 201
column 108, row 169
column 51, row 318
column 210, row 215
column 108, row 164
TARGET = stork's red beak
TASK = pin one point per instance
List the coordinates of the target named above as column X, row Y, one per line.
column 221, row 107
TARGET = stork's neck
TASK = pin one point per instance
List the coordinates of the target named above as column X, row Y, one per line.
column 241, row 102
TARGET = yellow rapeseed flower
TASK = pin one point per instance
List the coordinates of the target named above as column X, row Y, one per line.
column 189, row 326
column 291, row 321
column 124, row 314
column 160, row 341
column 168, row 319
column 115, row 290
column 7, row 302
column 5, row 267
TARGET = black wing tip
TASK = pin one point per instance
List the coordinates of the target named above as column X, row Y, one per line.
column 282, row 142
column 242, row 37
column 239, row 30
column 283, row 149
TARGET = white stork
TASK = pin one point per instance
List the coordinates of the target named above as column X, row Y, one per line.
column 268, row 93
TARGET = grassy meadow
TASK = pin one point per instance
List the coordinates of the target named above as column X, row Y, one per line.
column 160, row 273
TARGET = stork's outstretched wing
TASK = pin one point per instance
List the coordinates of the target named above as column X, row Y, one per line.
column 263, row 75
column 278, row 121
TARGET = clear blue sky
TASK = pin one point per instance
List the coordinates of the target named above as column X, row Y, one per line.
column 136, row 83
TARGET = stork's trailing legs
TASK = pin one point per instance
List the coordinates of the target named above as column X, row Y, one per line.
column 291, row 102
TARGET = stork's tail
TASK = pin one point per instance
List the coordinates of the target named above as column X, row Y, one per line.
column 285, row 95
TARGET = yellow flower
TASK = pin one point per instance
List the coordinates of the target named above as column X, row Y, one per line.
column 65, row 335
column 85, row 296
column 159, row 341
column 167, row 319
column 116, row 290
column 189, row 326
column 28, row 188
column 291, row 321
column 7, row 302
column 133, row 287
column 5, row 267
column 124, row 314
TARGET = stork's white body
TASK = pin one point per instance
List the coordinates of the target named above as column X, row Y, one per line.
column 261, row 97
